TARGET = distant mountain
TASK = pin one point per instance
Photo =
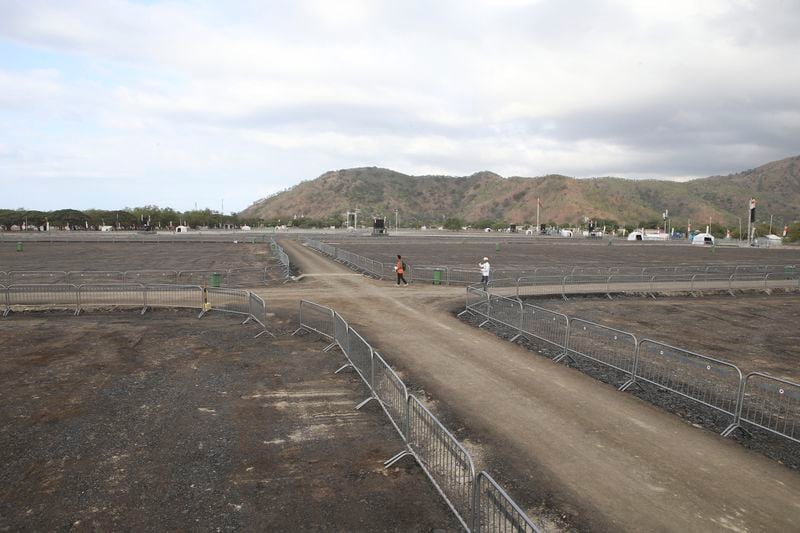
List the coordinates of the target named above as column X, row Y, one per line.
column 488, row 196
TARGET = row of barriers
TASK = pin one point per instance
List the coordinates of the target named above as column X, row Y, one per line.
column 648, row 284
column 239, row 277
column 135, row 295
column 757, row 399
column 573, row 279
column 359, row 262
column 478, row 502
column 283, row 258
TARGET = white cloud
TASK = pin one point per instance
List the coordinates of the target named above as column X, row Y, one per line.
column 277, row 92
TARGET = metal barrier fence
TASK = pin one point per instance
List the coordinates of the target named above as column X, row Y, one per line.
column 80, row 297
column 281, row 255
column 494, row 510
column 607, row 346
column 228, row 300
column 117, row 295
column 772, row 404
column 569, row 277
column 317, row 318
column 700, row 378
column 39, row 296
column 651, row 284
column 238, row 277
column 759, row 400
column 477, row 501
column 187, row 296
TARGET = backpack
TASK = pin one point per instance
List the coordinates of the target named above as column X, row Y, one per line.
column 404, row 266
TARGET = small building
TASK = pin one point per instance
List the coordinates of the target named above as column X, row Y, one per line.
column 181, row 229
column 565, row 232
column 635, row 236
column 106, row 228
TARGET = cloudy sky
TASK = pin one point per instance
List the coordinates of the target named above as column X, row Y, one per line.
column 119, row 103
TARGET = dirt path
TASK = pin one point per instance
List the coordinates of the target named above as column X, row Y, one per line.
column 605, row 459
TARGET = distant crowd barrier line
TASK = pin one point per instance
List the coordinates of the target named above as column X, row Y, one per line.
column 280, row 254
column 565, row 280
column 477, row 501
column 234, row 277
column 137, row 295
column 757, row 399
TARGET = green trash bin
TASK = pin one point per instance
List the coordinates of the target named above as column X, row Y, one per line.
column 437, row 277
column 215, row 279
column 19, row 246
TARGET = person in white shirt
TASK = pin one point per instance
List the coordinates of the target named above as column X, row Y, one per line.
column 485, row 269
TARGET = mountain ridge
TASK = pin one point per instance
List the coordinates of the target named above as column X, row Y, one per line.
column 485, row 195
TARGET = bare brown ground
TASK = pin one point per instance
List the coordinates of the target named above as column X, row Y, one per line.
column 121, row 256
column 118, row 422
column 522, row 251
column 559, row 439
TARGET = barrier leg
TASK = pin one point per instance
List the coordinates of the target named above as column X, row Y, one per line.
column 394, row 459
column 346, row 365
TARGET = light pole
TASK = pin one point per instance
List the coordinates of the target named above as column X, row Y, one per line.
column 740, row 228
column 395, row 220
column 770, row 224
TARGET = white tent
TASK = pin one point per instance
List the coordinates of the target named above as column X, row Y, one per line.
column 703, row 239
column 181, row 229
column 635, row 236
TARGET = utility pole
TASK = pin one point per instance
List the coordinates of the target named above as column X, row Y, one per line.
column 740, row 228
column 395, row 220
column 770, row 224
column 537, row 215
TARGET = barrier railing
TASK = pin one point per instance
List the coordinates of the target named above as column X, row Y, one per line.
column 700, row 378
column 447, row 463
column 148, row 277
column 80, row 297
column 280, row 254
column 440, row 455
column 607, row 346
column 391, row 392
column 41, row 295
column 545, row 325
column 117, row 295
column 95, row 276
column 494, row 510
column 228, row 300
column 772, row 404
column 35, row 277
column 240, row 277
column 187, row 296
column 317, row 318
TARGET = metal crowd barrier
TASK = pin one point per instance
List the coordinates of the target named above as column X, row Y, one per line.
column 652, row 283
column 282, row 256
column 758, row 399
column 232, row 277
column 580, row 279
column 228, row 300
column 496, row 511
column 80, row 297
column 40, row 296
column 118, row 295
column 477, row 501
column 770, row 403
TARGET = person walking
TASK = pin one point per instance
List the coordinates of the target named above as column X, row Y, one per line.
column 485, row 270
column 400, row 268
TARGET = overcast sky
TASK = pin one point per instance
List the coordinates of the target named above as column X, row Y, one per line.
column 119, row 103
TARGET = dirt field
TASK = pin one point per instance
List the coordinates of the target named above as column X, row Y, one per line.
column 115, row 421
column 132, row 256
column 527, row 252
column 565, row 444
